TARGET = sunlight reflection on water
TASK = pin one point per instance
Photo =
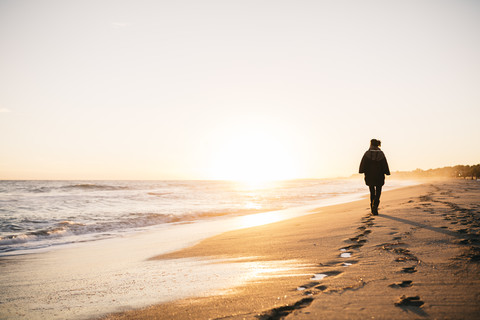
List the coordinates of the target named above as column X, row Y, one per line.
column 260, row 219
column 87, row 292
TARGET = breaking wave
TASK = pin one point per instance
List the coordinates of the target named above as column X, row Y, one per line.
column 35, row 214
column 90, row 186
column 73, row 187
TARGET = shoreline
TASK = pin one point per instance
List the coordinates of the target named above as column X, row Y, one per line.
column 65, row 229
column 91, row 279
column 347, row 257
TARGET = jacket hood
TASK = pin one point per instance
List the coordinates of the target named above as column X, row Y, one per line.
column 375, row 154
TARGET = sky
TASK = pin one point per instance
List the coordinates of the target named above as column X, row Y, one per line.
column 224, row 89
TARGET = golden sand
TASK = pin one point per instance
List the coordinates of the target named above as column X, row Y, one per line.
column 419, row 258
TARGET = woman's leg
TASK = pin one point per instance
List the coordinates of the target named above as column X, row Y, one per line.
column 372, row 197
column 378, row 192
column 376, row 201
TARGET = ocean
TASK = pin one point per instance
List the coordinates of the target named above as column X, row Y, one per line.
column 83, row 249
column 44, row 214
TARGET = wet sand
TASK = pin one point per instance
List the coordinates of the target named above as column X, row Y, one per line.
column 420, row 258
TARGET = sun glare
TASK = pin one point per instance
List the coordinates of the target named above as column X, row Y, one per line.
column 254, row 158
column 259, row 219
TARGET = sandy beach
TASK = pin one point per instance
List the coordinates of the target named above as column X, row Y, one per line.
column 419, row 258
column 216, row 159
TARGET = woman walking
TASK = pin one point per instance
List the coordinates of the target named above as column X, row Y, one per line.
column 374, row 165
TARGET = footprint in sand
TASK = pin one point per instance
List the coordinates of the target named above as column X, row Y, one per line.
column 345, row 254
column 307, row 286
column 315, row 289
column 357, row 237
column 321, row 287
column 464, row 241
column 472, row 254
column 338, row 263
column 281, row 312
column 406, row 258
column 409, row 270
column 409, row 301
column 352, row 246
column 403, row 284
column 320, row 276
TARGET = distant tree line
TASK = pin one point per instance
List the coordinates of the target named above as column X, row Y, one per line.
column 459, row 171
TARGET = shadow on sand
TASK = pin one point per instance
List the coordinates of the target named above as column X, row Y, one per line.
column 424, row 226
column 418, row 311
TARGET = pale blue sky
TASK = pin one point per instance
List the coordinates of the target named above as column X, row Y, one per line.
column 172, row 89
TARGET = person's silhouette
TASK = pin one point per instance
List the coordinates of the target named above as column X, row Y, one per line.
column 374, row 165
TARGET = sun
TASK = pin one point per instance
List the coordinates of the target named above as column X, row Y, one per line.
column 254, row 157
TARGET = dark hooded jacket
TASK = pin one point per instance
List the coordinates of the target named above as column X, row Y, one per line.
column 375, row 166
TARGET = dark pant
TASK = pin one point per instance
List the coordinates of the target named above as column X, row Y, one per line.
column 375, row 192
